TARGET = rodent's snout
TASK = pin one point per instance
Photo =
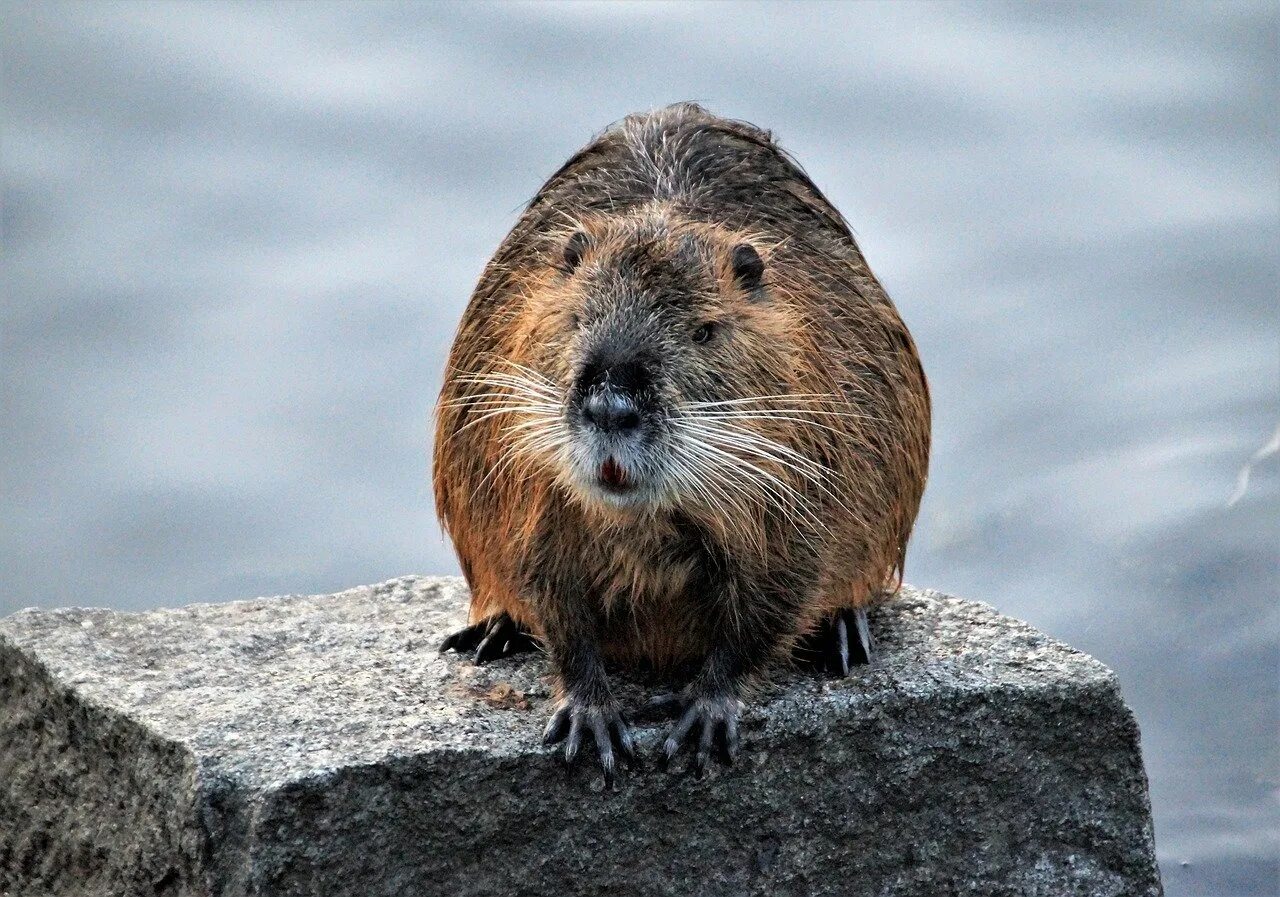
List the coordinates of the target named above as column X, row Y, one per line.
column 616, row 445
column 608, row 389
column 611, row 411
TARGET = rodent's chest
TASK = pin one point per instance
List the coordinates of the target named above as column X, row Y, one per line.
column 649, row 592
column 644, row 569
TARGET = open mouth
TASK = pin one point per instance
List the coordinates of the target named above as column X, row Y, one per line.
column 613, row 476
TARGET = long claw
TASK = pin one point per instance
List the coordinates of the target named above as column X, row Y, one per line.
column 671, row 746
column 557, row 726
column 626, row 743
column 842, row 648
column 704, row 747
column 604, row 744
column 731, row 740
column 862, row 645
column 575, row 739
column 487, row 650
column 464, row 639
column 839, row 644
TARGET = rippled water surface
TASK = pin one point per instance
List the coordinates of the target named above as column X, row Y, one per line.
column 237, row 238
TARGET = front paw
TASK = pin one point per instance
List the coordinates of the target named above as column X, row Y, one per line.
column 491, row 638
column 715, row 718
column 603, row 721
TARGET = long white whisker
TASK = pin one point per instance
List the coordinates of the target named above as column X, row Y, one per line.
column 706, row 479
column 474, row 398
column 783, row 455
column 488, row 415
column 767, row 417
column 513, row 403
column 709, row 471
column 781, row 491
column 507, row 401
column 511, row 384
column 799, row 415
column 750, row 442
column 522, row 427
column 527, row 394
column 749, row 399
column 509, row 362
column 523, row 447
column 535, row 376
column 808, row 470
column 741, row 437
column 683, row 474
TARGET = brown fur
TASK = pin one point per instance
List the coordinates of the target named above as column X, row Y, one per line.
column 651, row 188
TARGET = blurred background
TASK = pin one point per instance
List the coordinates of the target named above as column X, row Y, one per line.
column 237, row 240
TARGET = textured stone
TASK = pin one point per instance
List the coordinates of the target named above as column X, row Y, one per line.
column 319, row 745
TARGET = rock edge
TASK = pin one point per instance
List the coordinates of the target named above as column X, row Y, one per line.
column 319, row 745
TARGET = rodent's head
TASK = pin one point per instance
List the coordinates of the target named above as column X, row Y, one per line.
column 650, row 360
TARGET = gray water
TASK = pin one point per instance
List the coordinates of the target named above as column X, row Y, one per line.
column 237, row 239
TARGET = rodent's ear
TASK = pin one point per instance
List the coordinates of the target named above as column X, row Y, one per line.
column 748, row 267
column 573, row 251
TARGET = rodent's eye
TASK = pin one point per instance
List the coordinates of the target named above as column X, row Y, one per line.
column 573, row 251
column 703, row 333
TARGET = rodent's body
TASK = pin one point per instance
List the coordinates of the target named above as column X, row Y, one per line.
column 671, row 557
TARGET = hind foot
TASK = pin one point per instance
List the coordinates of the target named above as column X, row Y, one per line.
column 838, row 644
column 492, row 638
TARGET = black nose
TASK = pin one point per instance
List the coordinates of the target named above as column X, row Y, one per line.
column 611, row 411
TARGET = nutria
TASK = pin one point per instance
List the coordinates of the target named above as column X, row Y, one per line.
column 681, row 424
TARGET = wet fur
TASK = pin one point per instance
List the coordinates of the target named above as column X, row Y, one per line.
column 661, row 195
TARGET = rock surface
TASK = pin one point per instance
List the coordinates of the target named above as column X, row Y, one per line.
column 320, row 745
